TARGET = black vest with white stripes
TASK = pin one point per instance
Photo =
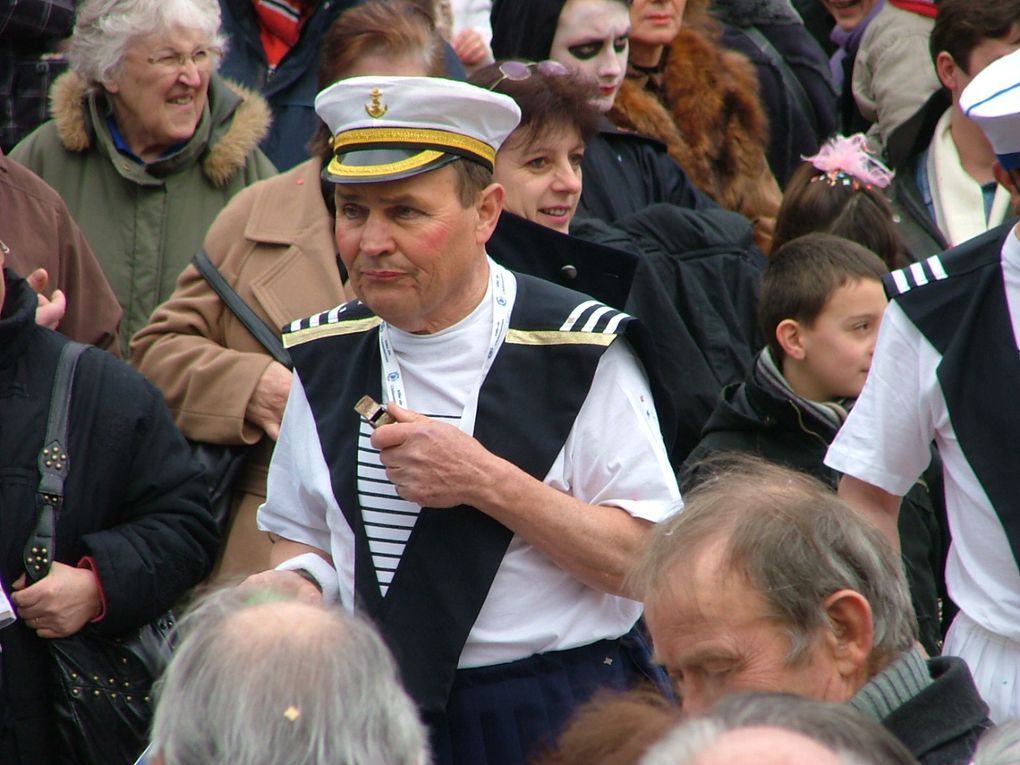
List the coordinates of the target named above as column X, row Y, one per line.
column 443, row 561
column 958, row 302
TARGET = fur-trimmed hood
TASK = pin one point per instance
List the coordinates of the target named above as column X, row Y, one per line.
column 712, row 121
column 241, row 119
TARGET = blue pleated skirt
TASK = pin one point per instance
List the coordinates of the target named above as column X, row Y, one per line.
column 504, row 714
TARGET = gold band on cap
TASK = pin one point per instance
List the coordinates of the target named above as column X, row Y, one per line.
column 340, row 170
column 436, row 139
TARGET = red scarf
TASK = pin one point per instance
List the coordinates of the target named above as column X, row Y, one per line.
column 280, row 23
column 920, row 7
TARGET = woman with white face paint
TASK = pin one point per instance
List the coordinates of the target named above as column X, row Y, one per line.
column 596, row 38
column 592, row 38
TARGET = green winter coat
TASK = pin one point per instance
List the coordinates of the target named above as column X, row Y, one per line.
column 145, row 222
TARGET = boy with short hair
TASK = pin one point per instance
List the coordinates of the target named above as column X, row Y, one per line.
column 820, row 307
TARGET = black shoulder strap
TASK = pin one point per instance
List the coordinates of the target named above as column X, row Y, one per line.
column 793, row 84
column 261, row 331
column 54, row 463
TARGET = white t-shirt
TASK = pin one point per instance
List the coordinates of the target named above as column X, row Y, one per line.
column 885, row 443
column 614, row 455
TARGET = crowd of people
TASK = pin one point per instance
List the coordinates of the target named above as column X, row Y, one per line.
column 593, row 381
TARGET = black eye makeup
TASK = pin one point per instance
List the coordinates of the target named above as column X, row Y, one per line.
column 586, row 50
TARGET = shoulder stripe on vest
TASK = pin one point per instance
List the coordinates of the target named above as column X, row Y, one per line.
column 900, row 280
column 351, row 310
column 554, row 337
column 937, row 270
column 576, row 314
column 320, row 330
column 592, row 316
column 919, row 274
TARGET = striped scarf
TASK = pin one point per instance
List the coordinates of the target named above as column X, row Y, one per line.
column 280, row 23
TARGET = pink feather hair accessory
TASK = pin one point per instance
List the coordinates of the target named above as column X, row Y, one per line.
column 846, row 159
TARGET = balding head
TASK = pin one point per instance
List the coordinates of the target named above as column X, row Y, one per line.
column 262, row 680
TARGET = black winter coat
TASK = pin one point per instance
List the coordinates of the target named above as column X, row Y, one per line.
column 753, row 419
column 134, row 501
column 706, row 265
column 943, row 723
column 625, row 172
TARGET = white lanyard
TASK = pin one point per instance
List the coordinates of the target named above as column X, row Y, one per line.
column 393, row 380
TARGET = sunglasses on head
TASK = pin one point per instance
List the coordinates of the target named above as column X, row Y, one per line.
column 516, row 71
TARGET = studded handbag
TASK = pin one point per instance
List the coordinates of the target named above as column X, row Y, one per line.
column 100, row 685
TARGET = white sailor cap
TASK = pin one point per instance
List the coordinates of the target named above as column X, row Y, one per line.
column 992, row 100
column 387, row 128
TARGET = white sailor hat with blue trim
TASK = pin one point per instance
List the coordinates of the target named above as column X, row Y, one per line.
column 387, row 128
column 992, row 100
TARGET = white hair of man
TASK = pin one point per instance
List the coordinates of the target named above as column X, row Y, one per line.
column 105, row 29
column 837, row 726
column 999, row 746
column 691, row 742
column 261, row 679
column 795, row 542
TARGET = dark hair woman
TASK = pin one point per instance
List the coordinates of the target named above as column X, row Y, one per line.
column 539, row 165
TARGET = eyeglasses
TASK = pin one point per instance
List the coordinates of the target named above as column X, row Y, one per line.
column 172, row 61
column 516, row 71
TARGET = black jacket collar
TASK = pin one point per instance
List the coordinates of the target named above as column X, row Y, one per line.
column 17, row 318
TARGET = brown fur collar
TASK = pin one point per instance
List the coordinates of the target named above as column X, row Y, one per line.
column 711, row 119
column 249, row 125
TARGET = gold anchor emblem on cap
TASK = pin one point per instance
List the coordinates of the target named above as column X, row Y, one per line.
column 375, row 108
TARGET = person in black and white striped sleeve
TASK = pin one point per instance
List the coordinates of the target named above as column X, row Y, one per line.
column 946, row 368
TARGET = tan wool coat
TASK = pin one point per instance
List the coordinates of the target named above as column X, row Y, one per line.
column 274, row 244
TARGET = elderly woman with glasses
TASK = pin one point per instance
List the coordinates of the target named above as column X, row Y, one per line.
column 147, row 143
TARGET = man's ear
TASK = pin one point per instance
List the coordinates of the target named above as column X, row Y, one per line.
column 488, row 206
column 790, row 339
column 947, row 70
column 852, row 632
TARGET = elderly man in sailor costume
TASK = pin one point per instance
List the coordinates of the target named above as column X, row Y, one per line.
column 486, row 529
column 947, row 368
